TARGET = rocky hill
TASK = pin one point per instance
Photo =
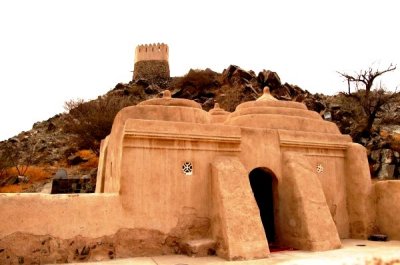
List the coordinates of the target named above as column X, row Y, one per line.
column 71, row 140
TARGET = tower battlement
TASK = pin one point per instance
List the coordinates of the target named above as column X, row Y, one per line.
column 151, row 52
column 151, row 61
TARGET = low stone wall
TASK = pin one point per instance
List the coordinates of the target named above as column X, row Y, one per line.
column 388, row 208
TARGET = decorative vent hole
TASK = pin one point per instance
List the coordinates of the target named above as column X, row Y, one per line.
column 320, row 168
column 187, row 168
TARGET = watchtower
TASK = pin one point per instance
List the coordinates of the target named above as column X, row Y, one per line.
column 151, row 61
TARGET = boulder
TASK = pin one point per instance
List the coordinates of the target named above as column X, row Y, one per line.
column 327, row 116
column 51, row 127
column 242, row 74
column 235, row 74
column 152, row 89
column 270, row 79
column 76, row 159
column 61, row 174
column 375, row 169
column 376, row 155
column 23, row 179
column 208, row 104
column 9, row 181
column 282, row 93
column 387, row 156
column 228, row 72
column 386, row 172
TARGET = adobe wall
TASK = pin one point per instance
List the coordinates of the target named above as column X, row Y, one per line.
column 154, row 186
column 272, row 129
column 146, row 198
column 61, row 215
column 359, row 191
column 49, row 229
column 267, row 147
column 387, row 194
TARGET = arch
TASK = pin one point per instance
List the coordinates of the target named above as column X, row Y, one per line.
column 263, row 183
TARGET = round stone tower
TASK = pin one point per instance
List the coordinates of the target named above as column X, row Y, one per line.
column 151, row 62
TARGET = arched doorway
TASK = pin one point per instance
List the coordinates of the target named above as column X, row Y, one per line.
column 263, row 184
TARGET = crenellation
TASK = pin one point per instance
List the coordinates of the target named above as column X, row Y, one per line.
column 150, row 52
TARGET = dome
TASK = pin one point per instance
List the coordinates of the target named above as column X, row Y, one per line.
column 167, row 100
column 168, row 109
column 270, row 113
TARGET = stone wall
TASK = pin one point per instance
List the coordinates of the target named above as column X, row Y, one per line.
column 154, row 69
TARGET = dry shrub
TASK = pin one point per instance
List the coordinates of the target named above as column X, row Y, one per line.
column 93, row 159
column 200, row 79
column 92, row 121
column 92, row 163
column 15, row 188
column 86, row 154
column 394, row 141
column 231, row 97
column 34, row 173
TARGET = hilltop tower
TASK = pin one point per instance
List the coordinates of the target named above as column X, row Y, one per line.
column 151, row 61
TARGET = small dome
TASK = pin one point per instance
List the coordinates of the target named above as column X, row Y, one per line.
column 218, row 111
column 270, row 113
column 266, row 95
column 167, row 100
column 168, row 109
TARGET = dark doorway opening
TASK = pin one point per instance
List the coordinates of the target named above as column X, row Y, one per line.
column 262, row 183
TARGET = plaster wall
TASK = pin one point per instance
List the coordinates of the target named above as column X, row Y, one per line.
column 329, row 166
column 237, row 225
column 111, row 175
column 61, row 215
column 267, row 136
column 388, row 208
column 150, row 52
column 360, row 193
column 153, row 184
column 141, row 183
column 306, row 222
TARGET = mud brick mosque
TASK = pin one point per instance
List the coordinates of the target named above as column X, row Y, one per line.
column 177, row 179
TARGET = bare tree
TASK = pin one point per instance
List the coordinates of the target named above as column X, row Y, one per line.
column 20, row 159
column 365, row 78
column 370, row 98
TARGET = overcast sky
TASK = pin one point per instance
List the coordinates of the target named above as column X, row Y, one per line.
column 53, row 51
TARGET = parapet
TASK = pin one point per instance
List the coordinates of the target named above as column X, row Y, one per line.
column 151, row 52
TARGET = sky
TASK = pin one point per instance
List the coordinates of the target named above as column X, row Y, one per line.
column 52, row 51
